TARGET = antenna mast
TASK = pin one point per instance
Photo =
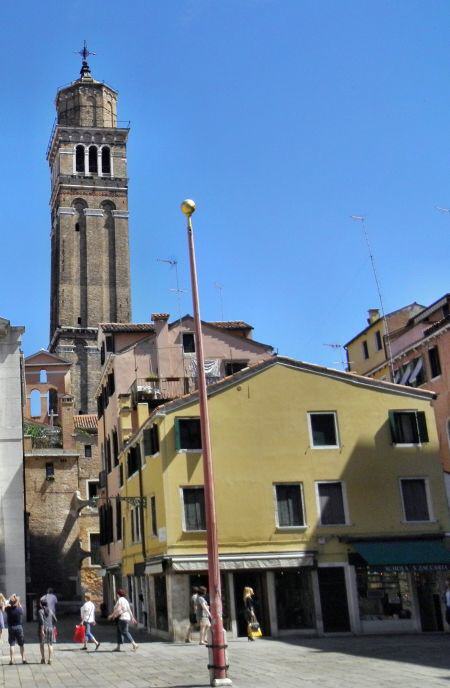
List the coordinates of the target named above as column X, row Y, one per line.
column 362, row 220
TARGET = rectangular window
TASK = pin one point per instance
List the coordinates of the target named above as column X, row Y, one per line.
column 133, row 460
column 365, row 349
column 415, row 499
column 118, row 518
column 115, row 447
column 323, row 429
column 188, row 434
column 121, row 475
column 435, row 363
column 111, row 384
column 378, row 340
column 151, row 440
column 49, row 471
column 94, row 548
column 194, row 508
column 92, row 488
column 109, row 339
column 153, row 513
column 232, row 367
column 331, row 503
column 188, row 343
column 136, row 524
column 88, row 451
column 108, row 455
column 290, row 511
column 408, row 427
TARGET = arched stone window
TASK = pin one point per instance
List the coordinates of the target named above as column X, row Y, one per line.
column 35, row 403
column 43, row 376
column 106, row 160
column 109, row 118
column 79, row 158
column 93, row 161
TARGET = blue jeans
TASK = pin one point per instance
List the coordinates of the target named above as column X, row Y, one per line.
column 89, row 635
column 123, row 632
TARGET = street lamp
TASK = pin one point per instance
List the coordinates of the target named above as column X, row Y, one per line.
column 218, row 668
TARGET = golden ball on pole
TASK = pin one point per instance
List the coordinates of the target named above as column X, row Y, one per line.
column 188, row 207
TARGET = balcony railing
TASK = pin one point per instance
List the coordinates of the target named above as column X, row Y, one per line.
column 156, row 390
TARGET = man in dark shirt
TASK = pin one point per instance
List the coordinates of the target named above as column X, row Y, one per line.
column 14, row 614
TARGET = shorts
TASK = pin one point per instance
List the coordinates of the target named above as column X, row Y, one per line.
column 15, row 635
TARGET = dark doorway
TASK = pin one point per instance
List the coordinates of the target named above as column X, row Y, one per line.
column 429, row 602
column 257, row 581
column 333, row 599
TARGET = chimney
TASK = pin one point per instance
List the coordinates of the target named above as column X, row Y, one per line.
column 67, row 423
column 161, row 323
column 374, row 315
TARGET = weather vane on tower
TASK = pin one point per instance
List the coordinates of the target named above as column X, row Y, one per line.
column 84, row 52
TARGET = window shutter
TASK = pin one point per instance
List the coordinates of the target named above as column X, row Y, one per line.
column 393, row 426
column 147, row 442
column 422, row 423
column 177, row 434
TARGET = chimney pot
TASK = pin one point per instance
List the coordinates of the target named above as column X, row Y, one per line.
column 374, row 315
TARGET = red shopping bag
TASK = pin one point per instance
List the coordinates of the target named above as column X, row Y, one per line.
column 79, row 634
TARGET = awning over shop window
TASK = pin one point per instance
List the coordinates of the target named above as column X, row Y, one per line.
column 404, row 555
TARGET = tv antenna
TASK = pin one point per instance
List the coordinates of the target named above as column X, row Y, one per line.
column 338, row 347
column 219, row 288
column 362, row 220
column 178, row 291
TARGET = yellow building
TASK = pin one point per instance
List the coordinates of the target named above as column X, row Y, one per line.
column 330, row 504
column 366, row 351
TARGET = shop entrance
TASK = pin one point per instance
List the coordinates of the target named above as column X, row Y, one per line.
column 333, row 599
column 428, row 597
column 257, row 581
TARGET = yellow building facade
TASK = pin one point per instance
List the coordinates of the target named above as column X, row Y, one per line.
column 330, row 503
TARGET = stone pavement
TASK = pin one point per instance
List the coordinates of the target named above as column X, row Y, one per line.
column 378, row 662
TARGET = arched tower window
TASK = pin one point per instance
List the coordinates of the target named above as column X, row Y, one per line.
column 93, row 164
column 43, row 376
column 35, row 403
column 79, row 158
column 109, row 119
column 106, row 160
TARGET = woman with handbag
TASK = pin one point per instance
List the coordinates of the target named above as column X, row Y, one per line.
column 87, row 613
column 122, row 612
column 249, row 612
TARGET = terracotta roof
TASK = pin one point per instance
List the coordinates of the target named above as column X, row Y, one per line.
column 87, row 421
column 436, row 326
column 230, row 324
column 127, row 327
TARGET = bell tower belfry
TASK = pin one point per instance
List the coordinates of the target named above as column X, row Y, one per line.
column 90, row 271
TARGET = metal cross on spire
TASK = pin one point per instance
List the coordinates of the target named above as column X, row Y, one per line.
column 85, row 52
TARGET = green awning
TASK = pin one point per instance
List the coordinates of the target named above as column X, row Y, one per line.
column 404, row 555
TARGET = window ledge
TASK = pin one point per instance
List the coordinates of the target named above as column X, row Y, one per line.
column 152, row 456
column 189, row 532
column 419, row 523
column 289, row 529
column 189, row 451
column 407, row 444
column 325, row 446
column 336, row 525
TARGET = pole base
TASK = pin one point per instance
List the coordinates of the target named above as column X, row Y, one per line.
column 221, row 682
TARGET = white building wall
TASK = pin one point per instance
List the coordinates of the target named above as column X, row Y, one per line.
column 12, row 539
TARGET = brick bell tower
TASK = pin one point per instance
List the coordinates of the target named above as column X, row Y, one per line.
column 90, row 265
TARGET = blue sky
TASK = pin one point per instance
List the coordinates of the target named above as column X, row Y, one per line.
column 281, row 119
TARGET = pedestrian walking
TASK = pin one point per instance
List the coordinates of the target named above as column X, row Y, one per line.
column 46, row 618
column 14, row 614
column 122, row 612
column 51, row 599
column 2, row 614
column 192, row 614
column 87, row 613
column 203, row 614
column 249, row 613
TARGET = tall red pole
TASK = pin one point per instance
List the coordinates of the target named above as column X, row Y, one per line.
column 218, row 669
